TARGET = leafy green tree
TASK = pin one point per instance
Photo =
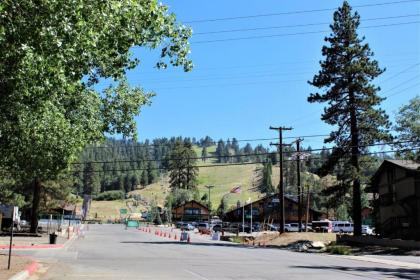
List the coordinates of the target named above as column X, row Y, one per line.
column 346, row 76
column 182, row 170
column 53, row 53
column 408, row 128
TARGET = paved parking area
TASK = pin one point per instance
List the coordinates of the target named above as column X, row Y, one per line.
column 111, row 252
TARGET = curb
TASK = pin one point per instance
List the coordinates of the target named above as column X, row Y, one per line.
column 28, row 271
column 40, row 246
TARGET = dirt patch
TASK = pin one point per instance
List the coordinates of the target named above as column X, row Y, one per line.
column 290, row 238
column 30, row 241
column 17, row 264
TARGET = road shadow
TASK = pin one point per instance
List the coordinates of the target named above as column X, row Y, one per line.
column 233, row 245
column 401, row 273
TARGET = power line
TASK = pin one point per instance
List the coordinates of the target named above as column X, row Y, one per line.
column 404, row 90
column 212, row 142
column 234, row 164
column 401, row 84
column 293, row 25
column 295, row 12
column 296, row 33
column 240, row 155
column 399, row 73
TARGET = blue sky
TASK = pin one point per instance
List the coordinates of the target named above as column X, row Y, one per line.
column 240, row 88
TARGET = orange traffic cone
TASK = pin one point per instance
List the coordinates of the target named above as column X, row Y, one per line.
column 175, row 238
column 188, row 239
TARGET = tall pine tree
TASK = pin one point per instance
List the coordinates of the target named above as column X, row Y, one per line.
column 346, row 77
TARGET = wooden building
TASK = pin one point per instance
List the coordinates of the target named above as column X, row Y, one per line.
column 396, row 185
column 267, row 210
column 190, row 211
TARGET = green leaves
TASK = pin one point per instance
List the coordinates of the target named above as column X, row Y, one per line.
column 53, row 53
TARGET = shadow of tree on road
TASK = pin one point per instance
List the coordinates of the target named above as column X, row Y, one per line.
column 402, row 273
column 235, row 245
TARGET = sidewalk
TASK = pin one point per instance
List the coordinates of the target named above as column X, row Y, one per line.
column 400, row 261
column 42, row 242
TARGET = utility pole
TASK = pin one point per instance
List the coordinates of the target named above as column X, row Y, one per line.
column 300, row 198
column 209, row 188
column 307, row 209
column 281, row 184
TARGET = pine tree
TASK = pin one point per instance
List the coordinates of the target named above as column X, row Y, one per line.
column 183, row 173
column 266, row 185
column 204, row 154
column 91, row 182
column 220, row 151
column 346, row 76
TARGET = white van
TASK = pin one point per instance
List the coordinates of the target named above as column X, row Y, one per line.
column 343, row 227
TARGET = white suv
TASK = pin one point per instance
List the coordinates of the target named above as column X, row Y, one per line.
column 343, row 227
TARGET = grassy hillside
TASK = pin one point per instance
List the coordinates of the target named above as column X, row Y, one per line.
column 223, row 178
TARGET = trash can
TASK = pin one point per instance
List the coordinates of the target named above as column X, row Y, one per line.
column 53, row 238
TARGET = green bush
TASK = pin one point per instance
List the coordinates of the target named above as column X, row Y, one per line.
column 339, row 250
column 110, row 195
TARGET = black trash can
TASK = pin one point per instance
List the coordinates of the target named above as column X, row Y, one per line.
column 53, row 238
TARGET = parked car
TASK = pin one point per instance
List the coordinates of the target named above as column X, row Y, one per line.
column 187, row 226
column 271, row 227
column 203, row 226
column 245, row 228
column 256, row 227
column 178, row 224
column 367, row 230
column 322, row 226
column 292, row 227
column 217, row 228
column 343, row 227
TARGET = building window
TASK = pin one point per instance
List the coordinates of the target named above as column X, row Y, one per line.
column 192, row 211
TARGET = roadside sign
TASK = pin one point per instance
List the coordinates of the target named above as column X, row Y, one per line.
column 275, row 200
column 132, row 223
column 9, row 211
column 123, row 211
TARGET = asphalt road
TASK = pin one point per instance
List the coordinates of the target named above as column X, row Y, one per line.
column 111, row 252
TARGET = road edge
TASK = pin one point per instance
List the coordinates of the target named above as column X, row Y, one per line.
column 28, row 271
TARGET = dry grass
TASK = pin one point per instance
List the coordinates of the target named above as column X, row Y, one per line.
column 17, row 264
column 106, row 209
column 293, row 237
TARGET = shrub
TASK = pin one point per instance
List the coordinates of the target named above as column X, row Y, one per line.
column 339, row 250
column 110, row 195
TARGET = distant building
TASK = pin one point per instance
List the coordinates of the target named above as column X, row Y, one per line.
column 267, row 210
column 397, row 187
column 190, row 211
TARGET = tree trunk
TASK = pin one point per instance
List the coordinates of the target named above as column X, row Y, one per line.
column 36, row 184
column 354, row 131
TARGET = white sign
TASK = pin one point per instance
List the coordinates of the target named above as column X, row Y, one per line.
column 275, row 200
